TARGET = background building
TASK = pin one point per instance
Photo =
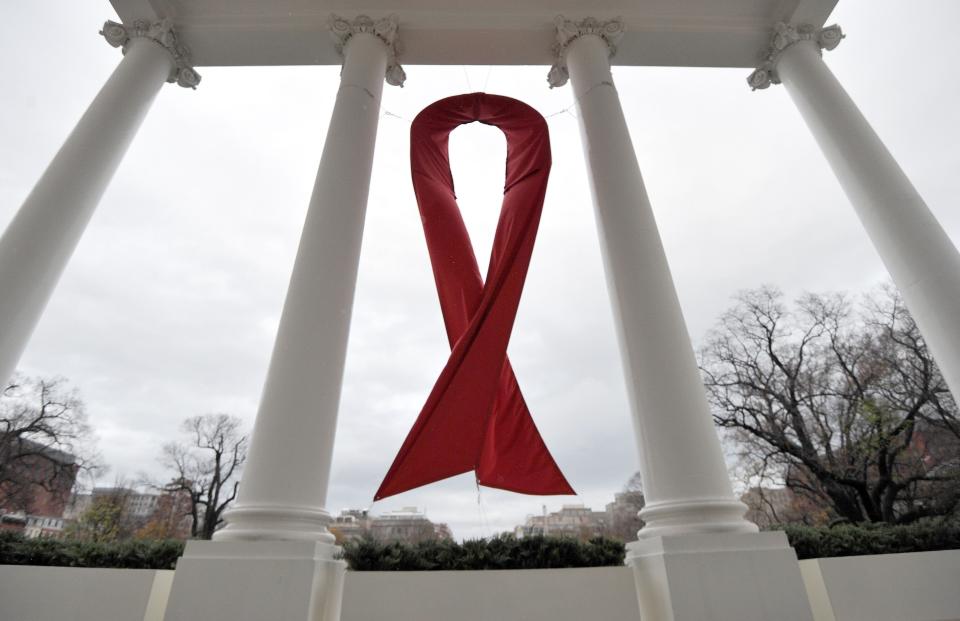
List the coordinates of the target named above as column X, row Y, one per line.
column 157, row 515
column 623, row 516
column 351, row 524
column 620, row 520
column 931, row 457
column 767, row 506
column 408, row 525
column 36, row 488
column 574, row 520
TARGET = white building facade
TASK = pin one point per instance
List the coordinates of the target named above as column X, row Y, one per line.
column 572, row 520
column 405, row 525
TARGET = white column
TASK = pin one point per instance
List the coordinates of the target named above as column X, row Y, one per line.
column 40, row 239
column 284, row 487
column 697, row 557
column 685, row 479
column 918, row 254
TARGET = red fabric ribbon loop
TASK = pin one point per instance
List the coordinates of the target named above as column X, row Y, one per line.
column 475, row 417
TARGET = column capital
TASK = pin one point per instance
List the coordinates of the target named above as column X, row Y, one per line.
column 162, row 33
column 386, row 29
column 568, row 31
column 785, row 35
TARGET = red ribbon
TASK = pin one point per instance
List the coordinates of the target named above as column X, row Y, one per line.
column 475, row 418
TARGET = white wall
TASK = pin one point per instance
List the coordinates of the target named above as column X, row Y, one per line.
column 599, row 593
column 891, row 587
column 919, row 586
column 82, row 594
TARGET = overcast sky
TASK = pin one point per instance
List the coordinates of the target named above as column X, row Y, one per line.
column 170, row 305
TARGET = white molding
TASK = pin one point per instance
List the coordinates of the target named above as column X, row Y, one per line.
column 785, row 35
column 386, row 29
column 661, row 33
column 162, row 33
column 568, row 31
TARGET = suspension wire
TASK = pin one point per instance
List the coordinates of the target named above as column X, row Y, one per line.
column 390, row 115
column 567, row 110
column 387, row 114
column 487, row 79
column 482, row 512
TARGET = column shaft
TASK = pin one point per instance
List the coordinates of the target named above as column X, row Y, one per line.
column 684, row 475
column 918, row 254
column 284, row 487
column 42, row 236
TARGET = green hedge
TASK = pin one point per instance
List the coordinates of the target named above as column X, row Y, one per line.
column 130, row 554
column 856, row 540
column 504, row 552
column 508, row 552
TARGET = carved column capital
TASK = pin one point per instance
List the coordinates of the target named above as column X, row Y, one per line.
column 386, row 29
column 785, row 35
column 162, row 33
column 569, row 31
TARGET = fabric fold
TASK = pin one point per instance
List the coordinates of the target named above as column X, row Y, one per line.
column 475, row 418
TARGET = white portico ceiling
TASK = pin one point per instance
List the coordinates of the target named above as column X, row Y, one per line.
column 683, row 33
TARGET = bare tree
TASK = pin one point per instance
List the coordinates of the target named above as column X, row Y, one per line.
column 45, row 441
column 623, row 513
column 843, row 404
column 634, row 483
column 207, row 467
column 110, row 515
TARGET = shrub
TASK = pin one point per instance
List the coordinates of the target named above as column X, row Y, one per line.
column 508, row 552
column 856, row 540
column 128, row 554
column 504, row 552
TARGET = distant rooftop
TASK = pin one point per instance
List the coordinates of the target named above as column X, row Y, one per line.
column 31, row 446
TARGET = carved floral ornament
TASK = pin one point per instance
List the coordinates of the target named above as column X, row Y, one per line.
column 385, row 29
column 785, row 35
column 162, row 33
column 569, row 31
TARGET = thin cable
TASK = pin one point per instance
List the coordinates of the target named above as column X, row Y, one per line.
column 568, row 111
column 391, row 115
column 482, row 514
